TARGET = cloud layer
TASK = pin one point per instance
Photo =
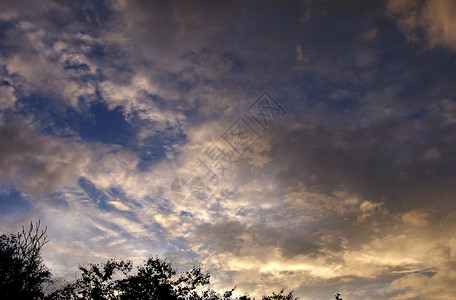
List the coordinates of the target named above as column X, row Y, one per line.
column 339, row 179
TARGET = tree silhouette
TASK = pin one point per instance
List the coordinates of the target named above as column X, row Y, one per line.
column 154, row 280
column 96, row 282
column 280, row 296
column 22, row 272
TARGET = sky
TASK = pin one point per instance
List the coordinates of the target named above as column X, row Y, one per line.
column 307, row 145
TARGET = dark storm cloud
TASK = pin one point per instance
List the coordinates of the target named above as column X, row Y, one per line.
column 406, row 163
column 236, row 238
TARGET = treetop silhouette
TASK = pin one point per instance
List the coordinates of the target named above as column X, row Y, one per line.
column 23, row 275
column 22, row 271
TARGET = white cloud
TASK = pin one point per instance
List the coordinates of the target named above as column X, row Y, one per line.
column 41, row 67
column 119, row 205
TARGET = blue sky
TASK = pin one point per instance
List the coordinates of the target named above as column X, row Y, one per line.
column 308, row 146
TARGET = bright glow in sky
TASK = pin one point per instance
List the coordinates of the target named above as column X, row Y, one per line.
column 309, row 146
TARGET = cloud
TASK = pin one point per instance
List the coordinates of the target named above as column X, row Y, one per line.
column 414, row 218
column 370, row 34
column 435, row 20
column 119, row 205
column 301, row 57
column 45, row 64
column 38, row 163
column 104, row 104
column 7, row 97
column 44, row 164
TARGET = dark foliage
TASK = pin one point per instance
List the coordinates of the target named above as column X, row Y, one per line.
column 22, row 272
column 155, row 280
column 280, row 296
column 96, row 282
